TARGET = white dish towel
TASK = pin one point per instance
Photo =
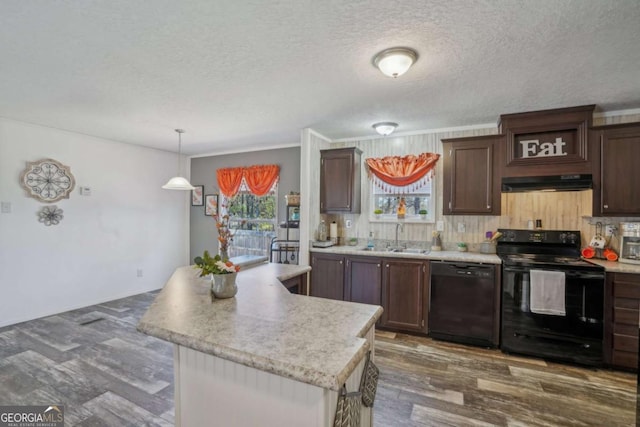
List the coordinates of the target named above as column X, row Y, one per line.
column 547, row 292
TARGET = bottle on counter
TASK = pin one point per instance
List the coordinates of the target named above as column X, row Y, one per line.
column 370, row 242
column 436, row 243
column 322, row 231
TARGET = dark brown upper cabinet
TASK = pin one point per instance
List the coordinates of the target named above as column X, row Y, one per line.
column 548, row 142
column 340, row 180
column 616, row 171
column 472, row 175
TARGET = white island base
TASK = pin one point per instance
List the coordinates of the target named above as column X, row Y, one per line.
column 210, row 391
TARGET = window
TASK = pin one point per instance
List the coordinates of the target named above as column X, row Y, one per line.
column 254, row 218
column 385, row 204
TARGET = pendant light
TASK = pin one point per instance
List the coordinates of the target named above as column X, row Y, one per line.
column 395, row 61
column 385, row 128
column 179, row 182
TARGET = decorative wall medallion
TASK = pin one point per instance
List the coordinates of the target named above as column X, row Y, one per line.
column 50, row 215
column 47, row 180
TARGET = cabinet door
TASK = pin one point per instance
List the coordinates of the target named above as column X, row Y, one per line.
column 622, row 308
column 471, row 175
column 340, row 180
column 327, row 276
column 617, row 171
column 364, row 280
column 404, row 294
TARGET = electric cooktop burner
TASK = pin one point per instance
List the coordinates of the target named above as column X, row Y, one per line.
column 542, row 248
column 531, row 259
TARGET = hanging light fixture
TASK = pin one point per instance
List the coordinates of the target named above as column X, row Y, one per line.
column 395, row 61
column 385, row 128
column 178, row 182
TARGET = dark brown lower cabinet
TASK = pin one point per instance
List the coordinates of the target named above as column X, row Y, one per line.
column 296, row 285
column 622, row 308
column 327, row 276
column 405, row 294
column 364, row 280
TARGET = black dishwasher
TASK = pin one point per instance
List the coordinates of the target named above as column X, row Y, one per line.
column 464, row 303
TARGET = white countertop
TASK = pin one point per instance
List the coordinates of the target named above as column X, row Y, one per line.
column 611, row 267
column 616, row 266
column 313, row 340
column 435, row 255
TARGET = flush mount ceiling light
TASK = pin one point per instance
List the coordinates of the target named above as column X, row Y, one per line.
column 178, row 182
column 385, row 128
column 395, row 61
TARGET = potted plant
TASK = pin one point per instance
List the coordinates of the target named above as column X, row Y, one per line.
column 462, row 247
column 223, row 274
column 423, row 214
column 377, row 213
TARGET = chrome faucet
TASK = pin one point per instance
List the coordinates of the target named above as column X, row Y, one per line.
column 400, row 226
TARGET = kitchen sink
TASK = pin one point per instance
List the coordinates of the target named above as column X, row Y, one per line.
column 399, row 249
column 416, row 251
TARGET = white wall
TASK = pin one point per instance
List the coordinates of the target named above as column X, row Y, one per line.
column 128, row 223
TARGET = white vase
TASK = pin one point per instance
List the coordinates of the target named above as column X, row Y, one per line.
column 224, row 285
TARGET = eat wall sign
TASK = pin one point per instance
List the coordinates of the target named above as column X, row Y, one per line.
column 547, row 142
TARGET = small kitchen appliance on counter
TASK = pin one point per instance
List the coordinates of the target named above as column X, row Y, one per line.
column 630, row 242
column 552, row 300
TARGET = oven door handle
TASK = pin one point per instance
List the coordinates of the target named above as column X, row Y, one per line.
column 572, row 274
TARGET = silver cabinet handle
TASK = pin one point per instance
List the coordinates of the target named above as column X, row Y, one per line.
column 606, row 206
column 378, row 265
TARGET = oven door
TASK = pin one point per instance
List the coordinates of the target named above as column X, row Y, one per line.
column 575, row 337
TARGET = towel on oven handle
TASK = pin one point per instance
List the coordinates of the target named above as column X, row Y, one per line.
column 547, row 292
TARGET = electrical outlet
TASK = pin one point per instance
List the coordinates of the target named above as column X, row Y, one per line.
column 5, row 207
column 347, row 223
column 610, row 230
column 461, row 227
column 440, row 226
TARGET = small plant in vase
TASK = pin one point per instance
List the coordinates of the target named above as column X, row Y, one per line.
column 223, row 274
column 423, row 214
column 377, row 213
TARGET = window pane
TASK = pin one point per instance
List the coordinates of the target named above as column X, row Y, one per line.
column 254, row 219
column 385, row 205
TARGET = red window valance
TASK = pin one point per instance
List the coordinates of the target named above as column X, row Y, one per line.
column 401, row 174
column 229, row 180
column 259, row 179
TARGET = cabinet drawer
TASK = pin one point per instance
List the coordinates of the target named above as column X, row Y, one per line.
column 626, row 289
column 625, row 359
column 622, row 329
column 625, row 343
column 631, row 303
column 625, row 316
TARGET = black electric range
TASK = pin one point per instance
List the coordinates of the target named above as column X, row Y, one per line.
column 571, row 327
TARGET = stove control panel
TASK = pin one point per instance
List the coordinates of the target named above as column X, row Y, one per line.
column 540, row 236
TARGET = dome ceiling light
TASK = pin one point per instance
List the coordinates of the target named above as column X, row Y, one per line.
column 179, row 182
column 395, row 61
column 385, row 128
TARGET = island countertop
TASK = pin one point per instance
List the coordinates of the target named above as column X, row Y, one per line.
column 313, row 340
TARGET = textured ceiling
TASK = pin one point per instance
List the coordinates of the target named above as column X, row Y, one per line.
column 251, row 73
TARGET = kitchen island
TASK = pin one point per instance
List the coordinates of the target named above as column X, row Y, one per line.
column 265, row 357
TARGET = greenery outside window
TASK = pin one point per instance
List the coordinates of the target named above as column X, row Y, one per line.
column 419, row 204
column 254, row 218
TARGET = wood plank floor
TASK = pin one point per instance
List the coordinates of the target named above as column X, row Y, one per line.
column 94, row 362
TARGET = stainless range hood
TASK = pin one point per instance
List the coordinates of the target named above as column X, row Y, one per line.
column 547, row 183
